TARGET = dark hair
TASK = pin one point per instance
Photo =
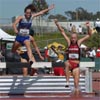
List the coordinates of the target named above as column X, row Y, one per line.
column 26, row 9
column 31, row 7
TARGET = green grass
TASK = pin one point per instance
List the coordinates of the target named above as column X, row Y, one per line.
column 48, row 38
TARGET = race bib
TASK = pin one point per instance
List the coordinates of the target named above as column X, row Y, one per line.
column 24, row 32
column 74, row 56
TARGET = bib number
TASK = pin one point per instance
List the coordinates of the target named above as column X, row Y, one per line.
column 24, row 32
column 74, row 56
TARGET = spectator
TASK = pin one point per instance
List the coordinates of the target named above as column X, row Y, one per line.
column 60, row 54
column 98, row 52
column 73, row 29
column 83, row 52
column 97, row 25
column 2, row 58
column 52, row 53
column 46, row 54
column 92, row 53
column 80, row 30
column 70, row 27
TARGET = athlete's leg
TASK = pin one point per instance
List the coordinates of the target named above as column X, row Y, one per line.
column 25, row 70
column 33, row 70
column 67, row 65
column 34, row 45
column 29, row 51
column 30, row 55
column 32, row 40
column 33, row 59
column 15, row 46
column 76, row 75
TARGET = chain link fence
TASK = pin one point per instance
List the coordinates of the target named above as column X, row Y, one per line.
column 43, row 43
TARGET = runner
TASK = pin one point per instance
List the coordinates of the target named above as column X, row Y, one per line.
column 72, row 64
column 22, row 31
column 22, row 52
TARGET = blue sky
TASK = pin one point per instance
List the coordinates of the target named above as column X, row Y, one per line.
column 10, row 8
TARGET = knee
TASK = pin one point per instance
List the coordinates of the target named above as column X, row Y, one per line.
column 31, row 39
column 25, row 69
column 77, row 70
column 67, row 63
column 23, row 60
column 76, row 73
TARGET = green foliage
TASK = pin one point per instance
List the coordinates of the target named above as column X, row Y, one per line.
column 10, row 31
column 94, row 41
column 48, row 38
column 58, row 16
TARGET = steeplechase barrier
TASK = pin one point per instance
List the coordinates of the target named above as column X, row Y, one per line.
column 44, row 83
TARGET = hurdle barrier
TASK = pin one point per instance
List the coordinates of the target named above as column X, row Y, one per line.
column 44, row 83
column 44, row 64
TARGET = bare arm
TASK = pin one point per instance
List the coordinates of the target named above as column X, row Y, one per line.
column 15, row 23
column 87, row 36
column 36, row 47
column 43, row 11
column 62, row 32
column 54, row 51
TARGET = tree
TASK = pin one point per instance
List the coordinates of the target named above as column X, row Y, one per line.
column 58, row 16
column 40, row 5
column 71, row 15
column 84, row 14
column 51, row 17
column 96, row 15
column 81, row 14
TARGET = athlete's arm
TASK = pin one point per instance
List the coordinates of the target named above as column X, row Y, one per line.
column 43, row 11
column 15, row 23
column 62, row 32
column 87, row 36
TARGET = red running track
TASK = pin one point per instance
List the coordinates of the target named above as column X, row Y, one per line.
column 52, row 98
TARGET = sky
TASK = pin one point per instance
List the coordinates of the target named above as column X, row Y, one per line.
column 10, row 8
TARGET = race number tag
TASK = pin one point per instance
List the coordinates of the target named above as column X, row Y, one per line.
column 24, row 32
column 74, row 56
